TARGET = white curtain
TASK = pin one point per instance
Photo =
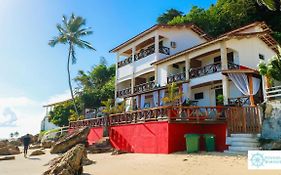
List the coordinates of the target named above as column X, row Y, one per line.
column 155, row 98
column 142, row 101
column 256, row 85
column 185, row 91
column 162, row 95
column 241, row 82
column 138, row 102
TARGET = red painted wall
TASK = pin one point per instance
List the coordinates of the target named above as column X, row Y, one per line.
column 162, row 137
column 95, row 135
column 149, row 137
column 178, row 130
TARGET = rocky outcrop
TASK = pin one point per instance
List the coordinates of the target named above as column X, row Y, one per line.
column 7, row 149
column 271, row 127
column 37, row 153
column 47, row 144
column 37, row 146
column 101, row 146
column 66, row 143
column 70, row 163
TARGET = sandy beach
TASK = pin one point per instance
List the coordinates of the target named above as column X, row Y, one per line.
column 140, row 164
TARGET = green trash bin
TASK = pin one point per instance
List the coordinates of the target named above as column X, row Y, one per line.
column 192, row 142
column 209, row 142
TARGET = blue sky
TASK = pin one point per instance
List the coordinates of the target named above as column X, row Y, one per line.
column 32, row 73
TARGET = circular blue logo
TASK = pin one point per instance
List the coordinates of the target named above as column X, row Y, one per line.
column 257, row 160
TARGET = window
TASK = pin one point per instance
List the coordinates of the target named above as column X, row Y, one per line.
column 261, row 56
column 198, row 96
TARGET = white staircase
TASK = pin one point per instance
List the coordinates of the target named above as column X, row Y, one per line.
column 242, row 143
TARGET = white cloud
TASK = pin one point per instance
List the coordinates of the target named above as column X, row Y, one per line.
column 24, row 114
column 59, row 97
column 8, row 117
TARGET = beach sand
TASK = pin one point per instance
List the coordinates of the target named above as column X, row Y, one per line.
column 143, row 164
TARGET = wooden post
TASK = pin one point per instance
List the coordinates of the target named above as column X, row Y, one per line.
column 252, row 101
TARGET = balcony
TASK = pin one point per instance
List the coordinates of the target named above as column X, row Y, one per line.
column 144, row 87
column 209, row 69
column 176, row 77
column 124, row 92
column 144, row 53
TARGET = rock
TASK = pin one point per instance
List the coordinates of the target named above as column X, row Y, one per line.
column 7, row 158
column 276, row 145
column 117, row 152
column 9, row 150
column 102, row 146
column 35, row 146
column 70, row 163
column 77, row 137
column 3, row 143
column 47, row 144
column 86, row 161
column 37, row 153
column 15, row 143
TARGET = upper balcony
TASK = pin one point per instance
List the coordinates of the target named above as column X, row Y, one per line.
column 142, row 54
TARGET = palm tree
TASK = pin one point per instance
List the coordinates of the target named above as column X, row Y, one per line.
column 16, row 134
column 70, row 32
column 11, row 135
column 271, row 4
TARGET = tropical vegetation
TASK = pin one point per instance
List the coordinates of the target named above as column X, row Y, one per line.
column 226, row 15
column 70, row 32
column 93, row 87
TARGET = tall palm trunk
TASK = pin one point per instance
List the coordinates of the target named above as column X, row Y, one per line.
column 69, row 78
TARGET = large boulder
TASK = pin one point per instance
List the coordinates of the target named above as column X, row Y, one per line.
column 37, row 153
column 101, row 146
column 70, row 163
column 47, row 144
column 66, row 143
column 9, row 150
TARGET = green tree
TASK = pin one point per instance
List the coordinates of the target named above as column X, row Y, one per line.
column 70, row 32
column 168, row 16
column 273, row 68
column 226, row 15
column 271, row 4
column 11, row 135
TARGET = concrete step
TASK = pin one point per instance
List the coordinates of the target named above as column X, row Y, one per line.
column 245, row 135
column 243, row 139
column 244, row 144
column 241, row 149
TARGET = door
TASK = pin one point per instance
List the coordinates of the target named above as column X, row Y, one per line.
column 217, row 93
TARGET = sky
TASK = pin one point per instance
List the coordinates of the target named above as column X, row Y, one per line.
column 33, row 74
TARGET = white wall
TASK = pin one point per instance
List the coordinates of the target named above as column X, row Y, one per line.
column 46, row 125
column 248, row 50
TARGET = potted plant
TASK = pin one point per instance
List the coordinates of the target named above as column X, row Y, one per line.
column 220, row 102
column 172, row 98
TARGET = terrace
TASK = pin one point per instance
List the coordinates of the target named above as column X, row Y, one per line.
column 238, row 119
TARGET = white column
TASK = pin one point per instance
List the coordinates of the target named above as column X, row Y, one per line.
column 224, row 66
column 116, row 75
column 133, row 65
column 47, row 112
column 156, row 38
column 156, row 74
column 187, row 67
